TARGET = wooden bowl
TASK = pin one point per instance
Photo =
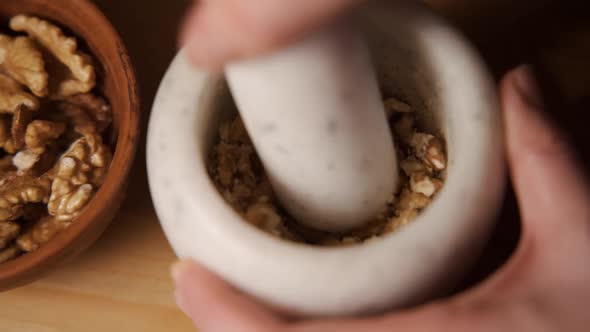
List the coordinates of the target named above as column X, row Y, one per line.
column 116, row 81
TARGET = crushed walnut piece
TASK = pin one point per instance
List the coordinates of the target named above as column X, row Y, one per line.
column 78, row 76
column 394, row 105
column 429, row 149
column 263, row 215
column 411, row 165
column 53, row 159
column 404, row 127
column 400, row 220
column 422, row 183
column 234, row 132
column 238, row 174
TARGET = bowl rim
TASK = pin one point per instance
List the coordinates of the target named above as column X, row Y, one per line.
column 40, row 262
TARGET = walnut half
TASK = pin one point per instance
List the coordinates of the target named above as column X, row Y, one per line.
column 77, row 175
column 39, row 134
column 18, row 191
column 20, row 58
column 43, row 231
column 86, row 113
column 8, row 232
column 79, row 75
column 13, row 97
column 8, row 254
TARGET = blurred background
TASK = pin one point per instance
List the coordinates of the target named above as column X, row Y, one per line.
column 122, row 282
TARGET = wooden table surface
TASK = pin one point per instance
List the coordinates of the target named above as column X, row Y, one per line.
column 122, row 282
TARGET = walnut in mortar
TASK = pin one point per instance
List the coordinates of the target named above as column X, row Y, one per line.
column 233, row 165
column 394, row 105
column 430, row 150
column 263, row 215
column 422, row 183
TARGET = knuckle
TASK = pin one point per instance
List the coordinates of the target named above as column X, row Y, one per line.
column 256, row 29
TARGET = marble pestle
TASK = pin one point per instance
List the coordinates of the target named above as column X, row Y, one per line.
column 315, row 115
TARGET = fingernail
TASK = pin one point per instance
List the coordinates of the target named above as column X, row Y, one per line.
column 176, row 271
column 528, row 87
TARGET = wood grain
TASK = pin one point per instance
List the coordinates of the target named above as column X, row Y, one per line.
column 118, row 84
column 122, row 283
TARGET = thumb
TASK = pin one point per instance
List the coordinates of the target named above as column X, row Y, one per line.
column 214, row 306
column 551, row 188
column 218, row 31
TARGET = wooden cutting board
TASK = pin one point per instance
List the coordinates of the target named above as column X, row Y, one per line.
column 122, row 282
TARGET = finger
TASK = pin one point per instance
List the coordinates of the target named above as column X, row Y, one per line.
column 214, row 306
column 218, row 31
column 416, row 321
column 551, row 188
column 441, row 317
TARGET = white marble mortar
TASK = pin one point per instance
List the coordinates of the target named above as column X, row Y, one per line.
column 421, row 60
